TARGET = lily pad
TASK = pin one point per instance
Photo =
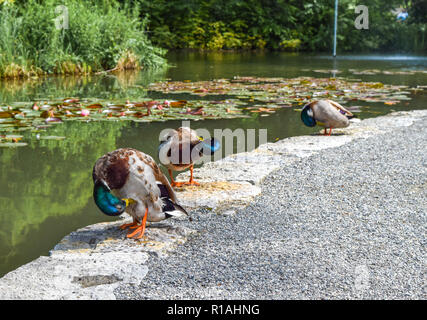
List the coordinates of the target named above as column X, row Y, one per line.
column 238, row 97
column 51, row 138
column 12, row 144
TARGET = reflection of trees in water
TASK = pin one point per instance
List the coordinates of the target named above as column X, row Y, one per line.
column 119, row 85
column 49, row 178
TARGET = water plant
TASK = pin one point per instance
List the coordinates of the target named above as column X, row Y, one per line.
column 239, row 97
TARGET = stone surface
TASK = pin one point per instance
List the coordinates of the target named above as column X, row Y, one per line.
column 107, row 237
column 91, row 262
column 218, row 196
column 77, row 275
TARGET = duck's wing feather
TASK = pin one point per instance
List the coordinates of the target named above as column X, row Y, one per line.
column 340, row 107
column 327, row 115
column 160, row 177
column 112, row 168
column 167, row 194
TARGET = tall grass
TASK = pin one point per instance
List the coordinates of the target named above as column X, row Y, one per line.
column 101, row 35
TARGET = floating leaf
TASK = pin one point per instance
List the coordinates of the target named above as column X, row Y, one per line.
column 390, row 103
column 13, row 137
column 12, row 144
column 6, row 114
column 377, row 85
column 51, row 138
column 197, row 111
column 94, row 106
column 53, row 120
column 71, row 100
column 178, row 104
column 46, row 114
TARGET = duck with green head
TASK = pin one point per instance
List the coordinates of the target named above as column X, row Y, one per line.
column 326, row 113
column 107, row 202
column 130, row 180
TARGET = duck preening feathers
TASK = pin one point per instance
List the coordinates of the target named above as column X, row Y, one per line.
column 130, row 180
column 180, row 148
column 326, row 113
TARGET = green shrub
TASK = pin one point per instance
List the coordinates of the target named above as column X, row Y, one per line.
column 290, row 45
column 101, row 35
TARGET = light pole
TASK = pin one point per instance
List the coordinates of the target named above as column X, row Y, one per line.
column 335, row 28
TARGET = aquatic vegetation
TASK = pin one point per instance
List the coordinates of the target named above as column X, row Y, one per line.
column 385, row 72
column 99, row 35
column 239, row 97
column 282, row 92
column 11, row 141
column 368, row 71
column 41, row 115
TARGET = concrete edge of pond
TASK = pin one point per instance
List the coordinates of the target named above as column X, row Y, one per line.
column 92, row 261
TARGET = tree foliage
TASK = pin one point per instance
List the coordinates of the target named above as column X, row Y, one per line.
column 283, row 25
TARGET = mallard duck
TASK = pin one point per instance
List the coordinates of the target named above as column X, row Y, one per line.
column 326, row 113
column 180, row 148
column 130, row 180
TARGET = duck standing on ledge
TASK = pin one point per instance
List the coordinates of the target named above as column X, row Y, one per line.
column 180, row 148
column 130, row 180
column 326, row 113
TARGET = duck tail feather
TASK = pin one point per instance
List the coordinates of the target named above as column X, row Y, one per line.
column 176, row 206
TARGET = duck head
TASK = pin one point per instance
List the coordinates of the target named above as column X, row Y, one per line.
column 207, row 147
column 307, row 116
column 107, row 202
column 185, row 146
column 210, row 146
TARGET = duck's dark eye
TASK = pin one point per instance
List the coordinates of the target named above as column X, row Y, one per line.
column 119, row 207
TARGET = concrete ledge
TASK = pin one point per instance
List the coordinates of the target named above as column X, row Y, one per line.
column 234, row 180
column 91, row 262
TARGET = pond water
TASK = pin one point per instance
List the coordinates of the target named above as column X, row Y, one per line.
column 46, row 187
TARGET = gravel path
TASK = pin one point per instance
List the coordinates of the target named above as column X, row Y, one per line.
column 348, row 222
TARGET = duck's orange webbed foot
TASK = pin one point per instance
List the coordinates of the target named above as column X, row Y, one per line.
column 129, row 225
column 139, row 231
column 177, row 184
column 174, row 184
column 191, row 183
